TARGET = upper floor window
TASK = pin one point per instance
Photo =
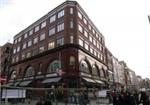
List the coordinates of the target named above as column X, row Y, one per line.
column 71, row 24
column 30, row 32
column 79, row 15
column 95, row 70
column 71, row 39
column 71, row 10
column 81, row 42
column 42, row 36
column 15, row 41
column 17, row 58
column 19, row 39
column 23, row 56
column 29, row 43
column 51, row 45
column 37, row 28
column 61, row 13
column 28, row 54
column 72, row 60
column 53, row 18
column 60, row 41
column 52, row 31
column 93, row 31
column 97, row 35
column 60, row 27
column 43, row 24
column 86, row 46
column 90, row 27
column 85, row 33
column 90, row 38
column 25, row 36
column 14, row 51
column 85, row 21
column 35, row 51
column 18, row 48
column 41, row 49
column 94, row 42
column 91, row 50
column 24, row 45
column 35, row 40
column 80, row 28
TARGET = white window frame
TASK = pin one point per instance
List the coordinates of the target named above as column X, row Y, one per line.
column 60, row 27
column 52, row 19
column 52, row 31
column 43, row 24
column 61, row 13
column 30, row 32
column 71, row 10
column 80, row 28
column 42, row 36
column 80, row 15
column 81, row 42
column 25, row 35
column 37, row 28
column 29, row 43
column 35, row 40
column 24, row 45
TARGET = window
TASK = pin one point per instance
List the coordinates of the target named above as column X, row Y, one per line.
column 18, row 48
column 80, row 28
column 79, row 15
column 42, row 36
column 17, row 58
column 91, row 39
column 52, row 31
column 71, row 24
column 25, row 36
column 61, row 14
column 53, row 18
column 30, row 32
column 60, row 27
column 43, row 24
column 71, row 39
column 84, row 67
column 85, row 33
column 28, row 54
column 86, row 46
column 51, row 45
column 95, row 70
column 72, row 60
column 35, row 40
column 14, row 51
column 95, row 53
column 97, row 45
column 91, row 50
column 102, row 73
column 54, row 66
column 71, row 10
column 93, row 31
column 85, row 21
column 19, row 39
column 37, row 28
column 97, row 35
column 94, row 42
column 29, row 72
column 41, row 49
column 24, row 45
column 23, row 56
column 15, row 41
column 34, row 52
column 60, row 41
column 29, row 43
column 90, row 27
column 81, row 42
column 100, row 47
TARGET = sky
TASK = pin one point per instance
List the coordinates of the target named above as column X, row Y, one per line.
column 123, row 23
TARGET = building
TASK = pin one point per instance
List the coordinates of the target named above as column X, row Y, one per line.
column 63, row 49
column 5, row 57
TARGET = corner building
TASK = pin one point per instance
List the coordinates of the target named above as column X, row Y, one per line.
column 61, row 49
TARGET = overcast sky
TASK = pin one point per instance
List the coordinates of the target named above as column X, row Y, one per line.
column 123, row 23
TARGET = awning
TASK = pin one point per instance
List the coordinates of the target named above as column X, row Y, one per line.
column 16, row 83
column 99, row 81
column 88, row 80
column 9, row 84
column 25, row 83
column 50, row 80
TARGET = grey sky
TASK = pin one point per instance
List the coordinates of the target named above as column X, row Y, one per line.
column 124, row 24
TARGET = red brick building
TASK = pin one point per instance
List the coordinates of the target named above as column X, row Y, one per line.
column 63, row 48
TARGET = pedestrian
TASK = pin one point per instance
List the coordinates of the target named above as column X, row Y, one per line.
column 47, row 102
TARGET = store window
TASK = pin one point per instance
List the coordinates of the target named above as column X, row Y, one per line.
column 54, row 66
column 84, row 66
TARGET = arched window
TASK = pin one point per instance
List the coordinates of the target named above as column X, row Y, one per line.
column 53, row 66
column 13, row 75
column 29, row 72
column 84, row 67
column 102, row 73
column 94, row 70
